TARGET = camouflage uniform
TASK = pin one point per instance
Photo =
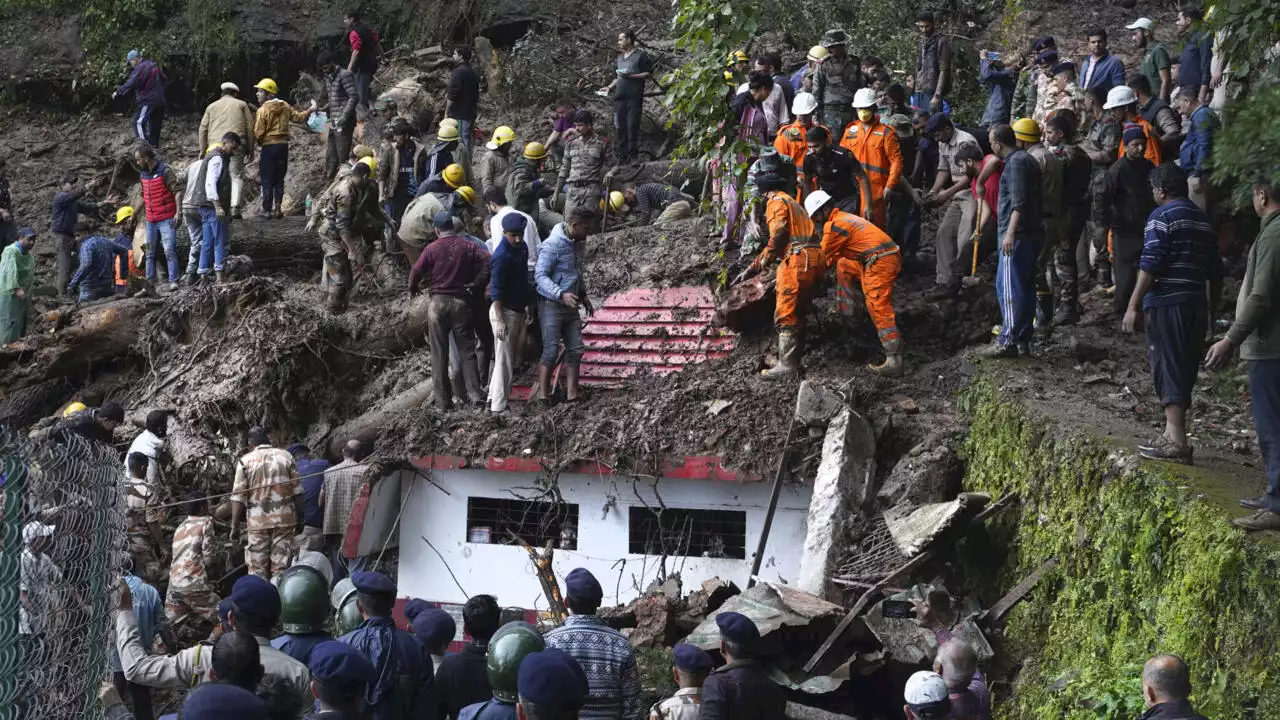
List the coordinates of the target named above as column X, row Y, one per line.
column 140, row 498
column 340, row 204
column 1104, row 134
column 582, row 173
column 684, row 705
column 267, row 483
column 190, row 591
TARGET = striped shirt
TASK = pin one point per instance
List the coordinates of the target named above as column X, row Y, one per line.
column 606, row 657
column 1181, row 250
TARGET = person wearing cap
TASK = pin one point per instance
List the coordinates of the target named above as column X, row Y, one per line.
column 148, row 81
column 802, row 79
column 267, row 492
column 462, row 679
column 926, row 697
column 214, row 198
column 631, row 70
column 340, row 680
column 311, row 470
column 1179, row 263
column 790, row 140
column 404, row 688
column 271, row 130
column 253, row 607
column 524, row 184
column 1155, row 63
column 1077, row 170
column 230, row 114
column 98, row 425
column 462, row 100
column 495, row 168
column 951, row 191
column 740, row 689
column 340, row 103
column 511, row 293
column 495, row 202
column 1102, row 142
column 605, row 654
column 775, row 105
column 835, row 80
column 582, row 174
column 159, row 198
column 999, row 81
column 190, row 600
column 691, row 665
column 1195, row 63
column 68, row 204
column 933, row 64
column 1129, row 204
column 1100, row 68
column 17, row 276
column 434, row 628
column 865, row 258
column 398, row 165
column 1046, row 88
column 1053, row 232
column 875, row 146
column 101, row 258
column 340, row 238
column 1065, row 94
column 439, row 159
column 453, row 269
column 1020, row 233
column 417, row 225
column 39, row 578
column 553, row 686
column 1026, row 89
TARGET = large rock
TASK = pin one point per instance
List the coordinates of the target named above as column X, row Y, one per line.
column 930, row 472
column 655, row 622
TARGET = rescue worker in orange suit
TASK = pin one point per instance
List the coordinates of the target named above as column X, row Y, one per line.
column 875, row 145
column 861, row 253
column 790, row 140
column 791, row 240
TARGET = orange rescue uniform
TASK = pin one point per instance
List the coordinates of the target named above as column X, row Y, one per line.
column 875, row 145
column 1153, row 141
column 791, row 238
column 790, row 142
column 863, row 253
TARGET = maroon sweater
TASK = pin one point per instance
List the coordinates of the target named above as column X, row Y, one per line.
column 451, row 265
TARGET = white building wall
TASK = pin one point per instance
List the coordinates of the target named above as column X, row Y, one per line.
column 439, row 514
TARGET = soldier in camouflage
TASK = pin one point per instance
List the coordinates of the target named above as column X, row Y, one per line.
column 339, row 236
column 142, row 521
column 582, row 175
column 835, row 81
column 268, row 493
column 191, row 602
column 691, row 667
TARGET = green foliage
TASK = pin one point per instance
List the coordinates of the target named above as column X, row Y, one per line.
column 110, row 28
column 1146, row 565
column 1248, row 145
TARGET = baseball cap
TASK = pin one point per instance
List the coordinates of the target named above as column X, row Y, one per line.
column 33, row 530
column 1141, row 24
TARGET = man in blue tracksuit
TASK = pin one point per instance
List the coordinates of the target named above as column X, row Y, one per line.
column 1021, row 235
column 149, row 81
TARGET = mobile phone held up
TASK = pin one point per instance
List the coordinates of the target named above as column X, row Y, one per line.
column 897, row 609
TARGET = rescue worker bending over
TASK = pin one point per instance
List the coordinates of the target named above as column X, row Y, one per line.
column 337, row 234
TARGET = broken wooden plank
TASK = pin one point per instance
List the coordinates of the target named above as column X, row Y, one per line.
column 996, row 614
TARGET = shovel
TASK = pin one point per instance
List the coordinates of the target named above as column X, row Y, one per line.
column 972, row 280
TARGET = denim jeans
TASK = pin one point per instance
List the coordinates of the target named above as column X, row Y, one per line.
column 162, row 234
column 195, row 233
column 1264, row 390
column 560, row 322
column 213, row 248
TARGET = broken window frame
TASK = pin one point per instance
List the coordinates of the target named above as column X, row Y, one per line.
column 537, row 522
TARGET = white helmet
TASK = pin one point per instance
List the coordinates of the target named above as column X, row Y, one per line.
column 864, row 98
column 814, row 202
column 1119, row 96
column 804, row 104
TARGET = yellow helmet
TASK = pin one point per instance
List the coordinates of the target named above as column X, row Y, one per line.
column 447, row 132
column 817, row 53
column 363, row 151
column 123, row 214
column 503, row 135
column 617, row 201
column 737, row 56
column 1026, row 130
column 535, row 151
column 269, row 85
column 372, row 163
column 74, row 408
column 453, row 176
column 212, row 147
column 466, row 194
column 729, row 78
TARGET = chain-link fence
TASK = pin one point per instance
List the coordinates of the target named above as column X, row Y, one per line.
column 61, row 547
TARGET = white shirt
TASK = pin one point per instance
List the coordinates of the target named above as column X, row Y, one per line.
column 149, row 444
column 211, row 177
column 193, row 172
column 37, row 579
column 776, row 112
column 530, row 233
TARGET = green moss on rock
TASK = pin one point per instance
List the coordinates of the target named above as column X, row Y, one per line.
column 1147, row 563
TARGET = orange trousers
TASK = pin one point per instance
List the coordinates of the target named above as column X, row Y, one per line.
column 798, row 274
column 876, row 202
column 877, row 287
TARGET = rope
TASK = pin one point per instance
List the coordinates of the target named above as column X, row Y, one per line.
column 255, row 488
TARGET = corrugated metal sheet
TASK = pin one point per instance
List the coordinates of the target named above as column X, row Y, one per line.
column 659, row 331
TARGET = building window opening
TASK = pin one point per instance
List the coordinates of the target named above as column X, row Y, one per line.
column 503, row 521
column 688, row 533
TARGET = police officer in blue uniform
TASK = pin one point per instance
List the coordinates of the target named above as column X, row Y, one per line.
column 552, row 686
column 740, row 689
column 216, row 701
column 304, row 607
column 404, row 688
column 340, row 679
column 434, row 628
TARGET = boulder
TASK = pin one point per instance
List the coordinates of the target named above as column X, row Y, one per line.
column 930, row 472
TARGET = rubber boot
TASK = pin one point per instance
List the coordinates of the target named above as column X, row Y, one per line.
column 220, row 277
column 892, row 365
column 788, row 357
